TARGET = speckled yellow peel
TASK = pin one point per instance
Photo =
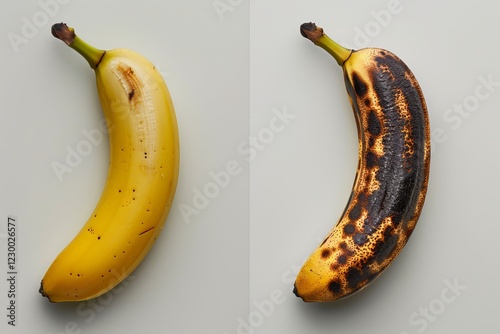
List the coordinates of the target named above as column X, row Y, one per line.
column 142, row 176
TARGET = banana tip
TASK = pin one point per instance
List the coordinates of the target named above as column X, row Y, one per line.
column 310, row 31
column 63, row 32
column 42, row 291
column 296, row 292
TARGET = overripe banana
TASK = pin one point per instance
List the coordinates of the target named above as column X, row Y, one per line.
column 392, row 176
column 141, row 181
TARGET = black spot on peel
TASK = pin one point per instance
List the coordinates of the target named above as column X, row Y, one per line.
column 362, row 198
column 396, row 219
column 335, row 287
column 354, row 277
column 360, row 87
column 349, row 229
column 371, row 160
column 355, row 212
column 374, row 126
column 131, row 94
column 385, row 247
column 371, row 142
column 342, row 259
column 400, row 205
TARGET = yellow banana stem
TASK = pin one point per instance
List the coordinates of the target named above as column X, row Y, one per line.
column 68, row 36
column 317, row 36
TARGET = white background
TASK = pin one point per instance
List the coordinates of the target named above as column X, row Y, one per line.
column 231, row 70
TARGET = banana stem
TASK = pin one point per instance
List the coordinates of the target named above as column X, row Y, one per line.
column 68, row 36
column 317, row 36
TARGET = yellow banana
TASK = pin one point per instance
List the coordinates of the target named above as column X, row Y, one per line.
column 142, row 175
column 391, row 181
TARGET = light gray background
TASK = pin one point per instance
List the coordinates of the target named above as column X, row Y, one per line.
column 233, row 71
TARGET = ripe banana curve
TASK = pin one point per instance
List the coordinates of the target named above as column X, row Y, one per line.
column 391, row 179
column 142, row 175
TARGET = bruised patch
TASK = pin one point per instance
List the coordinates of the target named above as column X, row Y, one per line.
column 374, row 126
column 360, row 86
column 130, row 81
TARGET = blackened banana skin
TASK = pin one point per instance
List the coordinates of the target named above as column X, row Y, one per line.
column 391, row 179
column 399, row 166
